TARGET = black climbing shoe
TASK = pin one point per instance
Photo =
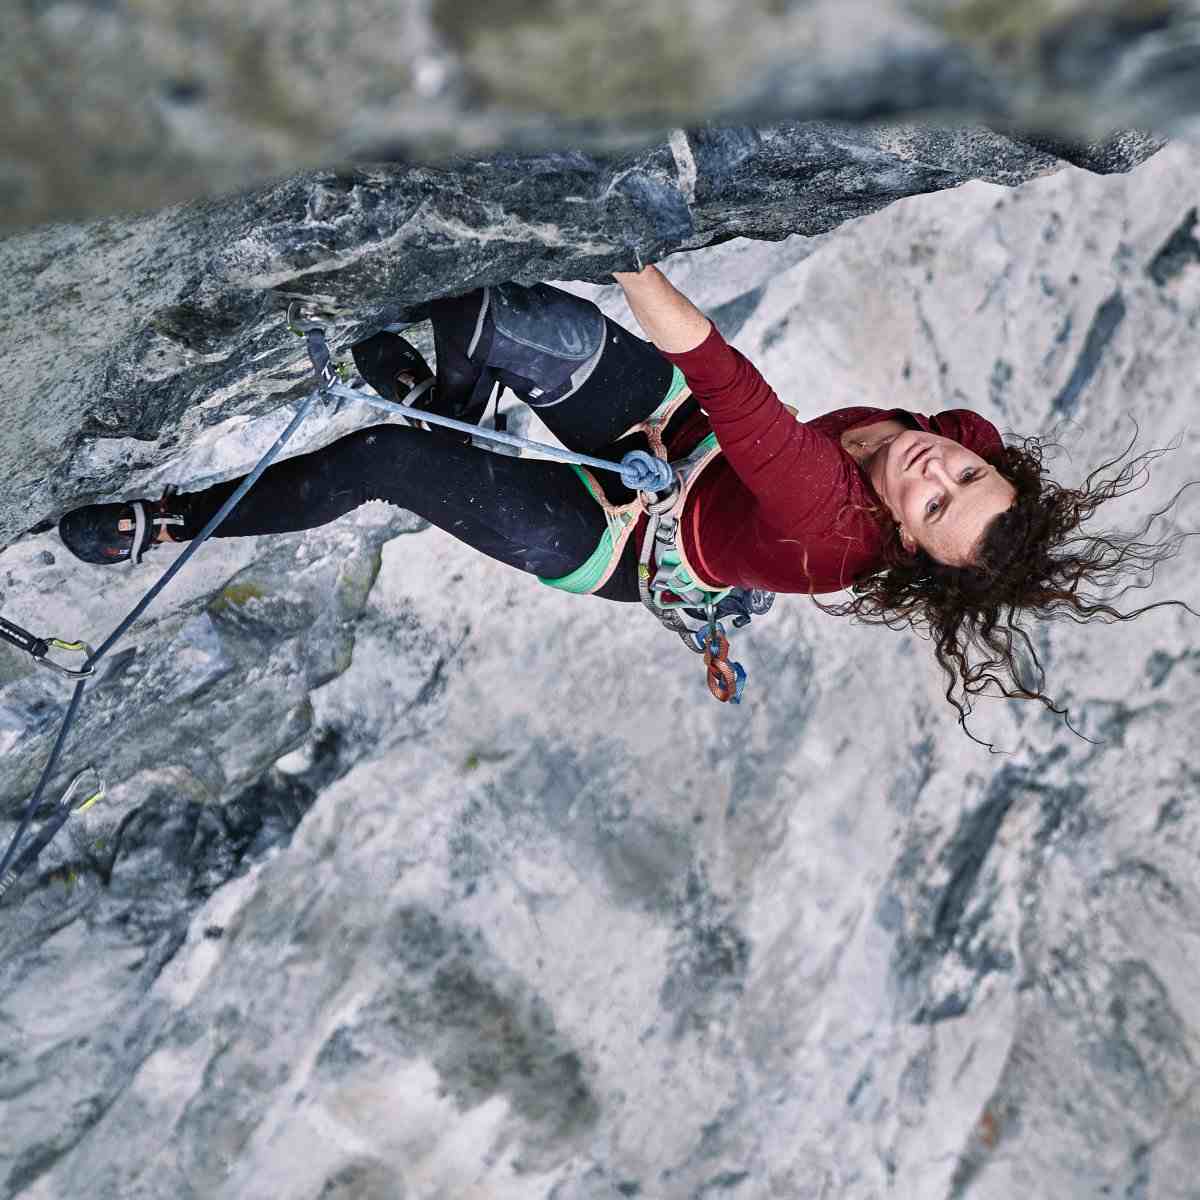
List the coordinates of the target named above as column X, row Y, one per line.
column 113, row 533
column 395, row 369
column 382, row 358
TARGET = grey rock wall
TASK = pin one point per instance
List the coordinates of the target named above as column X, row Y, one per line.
column 133, row 338
column 407, row 883
column 118, row 107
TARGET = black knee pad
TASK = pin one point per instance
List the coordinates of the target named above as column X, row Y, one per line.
column 625, row 386
column 545, row 343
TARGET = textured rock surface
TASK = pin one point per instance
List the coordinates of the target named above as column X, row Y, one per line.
column 542, row 934
column 114, row 107
column 134, row 338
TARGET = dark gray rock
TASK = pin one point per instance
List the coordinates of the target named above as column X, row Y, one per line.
column 153, row 329
column 115, row 108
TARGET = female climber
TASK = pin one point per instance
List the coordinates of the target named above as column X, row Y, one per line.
column 930, row 521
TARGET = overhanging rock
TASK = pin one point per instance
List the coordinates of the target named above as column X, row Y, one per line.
column 128, row 337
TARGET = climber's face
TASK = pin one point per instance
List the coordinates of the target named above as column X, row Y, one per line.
column 942, row 494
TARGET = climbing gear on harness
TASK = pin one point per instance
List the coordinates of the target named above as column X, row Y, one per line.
column 40, row 647
column 725, row 679
column 103, row 533
column 65, row 809
column 741, row 604
column 673, row 588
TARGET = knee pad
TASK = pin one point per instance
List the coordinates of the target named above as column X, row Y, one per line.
column 545, row 343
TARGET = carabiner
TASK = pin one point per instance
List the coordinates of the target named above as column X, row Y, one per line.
column 94, row 795
column 299, row 324
column 72, row 647
column 306, row 315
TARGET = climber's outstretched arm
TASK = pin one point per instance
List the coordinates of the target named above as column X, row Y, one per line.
column 670, row 320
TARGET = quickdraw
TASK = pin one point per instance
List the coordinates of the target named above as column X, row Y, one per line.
column 65, row 809
column 40, row 648
column 312, row 330
column 672, row 589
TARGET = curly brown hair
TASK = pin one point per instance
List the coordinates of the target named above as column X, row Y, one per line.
column 1014, row 569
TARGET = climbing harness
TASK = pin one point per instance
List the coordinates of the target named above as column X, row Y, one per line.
column 672, row 591
column 673, row 588
column 661, row 488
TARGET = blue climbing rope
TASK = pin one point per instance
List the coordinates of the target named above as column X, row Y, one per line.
column 639, row 470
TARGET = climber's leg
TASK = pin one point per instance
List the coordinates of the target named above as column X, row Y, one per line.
column 587, row 378
column 534, row 515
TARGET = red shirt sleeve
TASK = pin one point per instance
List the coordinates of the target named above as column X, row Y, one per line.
column 798, row 474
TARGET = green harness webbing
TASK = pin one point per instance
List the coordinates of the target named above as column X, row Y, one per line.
column 587, row 576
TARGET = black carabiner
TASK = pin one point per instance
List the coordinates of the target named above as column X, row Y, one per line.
column 39, row 647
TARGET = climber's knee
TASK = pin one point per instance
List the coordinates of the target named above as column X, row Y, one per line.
column 545, row 343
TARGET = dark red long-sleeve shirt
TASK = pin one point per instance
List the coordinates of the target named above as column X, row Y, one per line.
column 784, row 488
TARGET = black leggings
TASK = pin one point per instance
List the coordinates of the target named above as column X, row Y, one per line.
column 532, row 514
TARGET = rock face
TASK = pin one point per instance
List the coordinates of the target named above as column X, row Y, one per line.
column 132, row 338
column 409, row 884
column 116, row 107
